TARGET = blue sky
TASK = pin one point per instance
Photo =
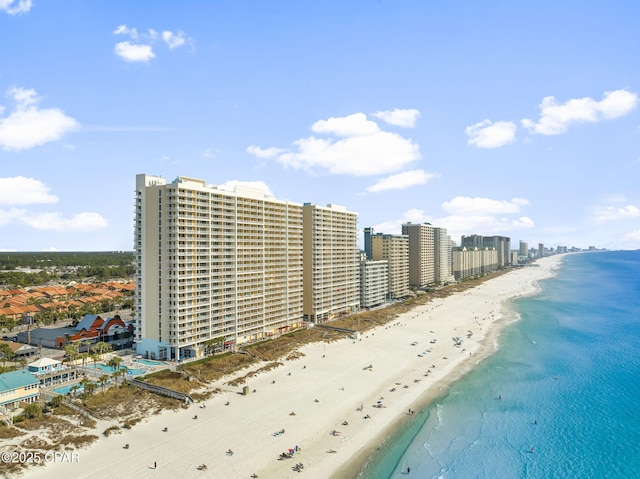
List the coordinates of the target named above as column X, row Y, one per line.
column 509, row 118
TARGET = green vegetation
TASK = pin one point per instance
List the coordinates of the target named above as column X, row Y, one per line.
column 67, row 266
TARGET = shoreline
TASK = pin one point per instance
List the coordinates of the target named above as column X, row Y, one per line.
column 488, row 346
column 324, row 387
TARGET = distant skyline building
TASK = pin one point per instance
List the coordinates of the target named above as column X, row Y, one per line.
column 502, row 245
column 367, row 241
column 331, row 262
column 524, row 249
column 476, row 262
column 213, row 266
column 541, row 252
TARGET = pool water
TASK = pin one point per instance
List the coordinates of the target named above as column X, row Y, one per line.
column 109, row 369
column 148, row 362
column 67, row 389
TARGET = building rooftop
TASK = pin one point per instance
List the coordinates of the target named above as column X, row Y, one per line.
column 17, row 379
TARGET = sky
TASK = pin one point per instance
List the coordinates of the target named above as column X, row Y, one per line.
column 506, row 118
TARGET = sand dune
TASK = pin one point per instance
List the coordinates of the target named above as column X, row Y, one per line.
column 324, row 388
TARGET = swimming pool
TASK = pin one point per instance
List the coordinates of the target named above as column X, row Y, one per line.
column 103, row 367
column 149, row 362
column 109, row 369
column 67, row 389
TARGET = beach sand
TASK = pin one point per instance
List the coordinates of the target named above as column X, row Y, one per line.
column 324, row 388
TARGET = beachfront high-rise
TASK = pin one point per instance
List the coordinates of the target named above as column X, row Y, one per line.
column 422, row 253
column 213, row 267
column 502, row 244
column 395, row 250
column 331, row 262
column 374, row 282
column 476, row 262
column 524, row 249
column 429, row 254
column 443, row 260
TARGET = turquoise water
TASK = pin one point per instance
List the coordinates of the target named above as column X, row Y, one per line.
column 103, row 367
column 148, row 362
column 67, row 389
column 568, row 374
column 109, row 369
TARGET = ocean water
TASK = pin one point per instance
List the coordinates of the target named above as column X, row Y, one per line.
column 568, row 375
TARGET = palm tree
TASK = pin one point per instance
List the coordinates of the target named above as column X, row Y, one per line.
column 84, row 357
column 114, row 362
column 71, row 351
column 117, row 374
column 74, row 389
column 102, row 380
column 101, row 347
column 90, row 387
column 95, row 357
column 6, row 353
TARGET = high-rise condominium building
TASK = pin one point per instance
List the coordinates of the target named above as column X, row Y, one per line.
column 422, row 253
column 394, row 249
column 524, row 249
column 502, row 244
column 443, row 261
column 469, row 263
column 213, row 267
column 374, row 282
column 331, row 262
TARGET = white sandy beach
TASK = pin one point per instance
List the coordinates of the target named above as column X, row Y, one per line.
column 335, row 375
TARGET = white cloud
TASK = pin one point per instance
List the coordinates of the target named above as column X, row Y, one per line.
column 458, row 225
column 464, row 205
column 402, row 181
column 24, row 191
column 258, row 185
column 124, row 30
column 174, row 40
column 11, row 215
column 405, row 118
column 85, row 221
column 356, row 124
column 140, row 49
column 611, row 213
column 14, row 8
column 132, row 52
column 265, row 152
column 28, row 126
column 468, row 216
column 209, row 153
column 487, row 134
column 361, row 148
column 413, row 215
column 556, row 117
